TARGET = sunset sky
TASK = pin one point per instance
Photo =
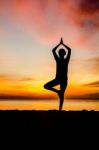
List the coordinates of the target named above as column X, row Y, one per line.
column 29, row 29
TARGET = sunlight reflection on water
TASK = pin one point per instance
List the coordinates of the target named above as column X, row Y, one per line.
column 49, row 104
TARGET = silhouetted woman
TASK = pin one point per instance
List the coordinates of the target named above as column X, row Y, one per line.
column 61, row 72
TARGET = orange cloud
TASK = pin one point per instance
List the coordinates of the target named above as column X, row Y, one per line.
column 26, row 79
column 14, row 78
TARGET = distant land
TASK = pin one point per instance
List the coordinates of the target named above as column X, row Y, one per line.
column 94, row 96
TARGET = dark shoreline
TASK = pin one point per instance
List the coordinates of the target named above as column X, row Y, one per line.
column 51, row 119
column 48, row 129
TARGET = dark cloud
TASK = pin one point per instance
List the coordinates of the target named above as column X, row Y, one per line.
column 15, row 97
column 89, row 6
column 23, row 97
column 93, row 84
column 88, row 11
column 92, row 96
column 89, row 96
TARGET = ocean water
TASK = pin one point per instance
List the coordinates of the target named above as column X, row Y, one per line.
column 49, row 105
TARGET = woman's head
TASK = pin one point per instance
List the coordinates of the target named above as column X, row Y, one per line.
column 62, row 53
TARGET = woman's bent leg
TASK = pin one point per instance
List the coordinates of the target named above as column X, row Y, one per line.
column 51, row 84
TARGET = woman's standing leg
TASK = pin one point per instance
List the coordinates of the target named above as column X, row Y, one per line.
column 61, row 94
